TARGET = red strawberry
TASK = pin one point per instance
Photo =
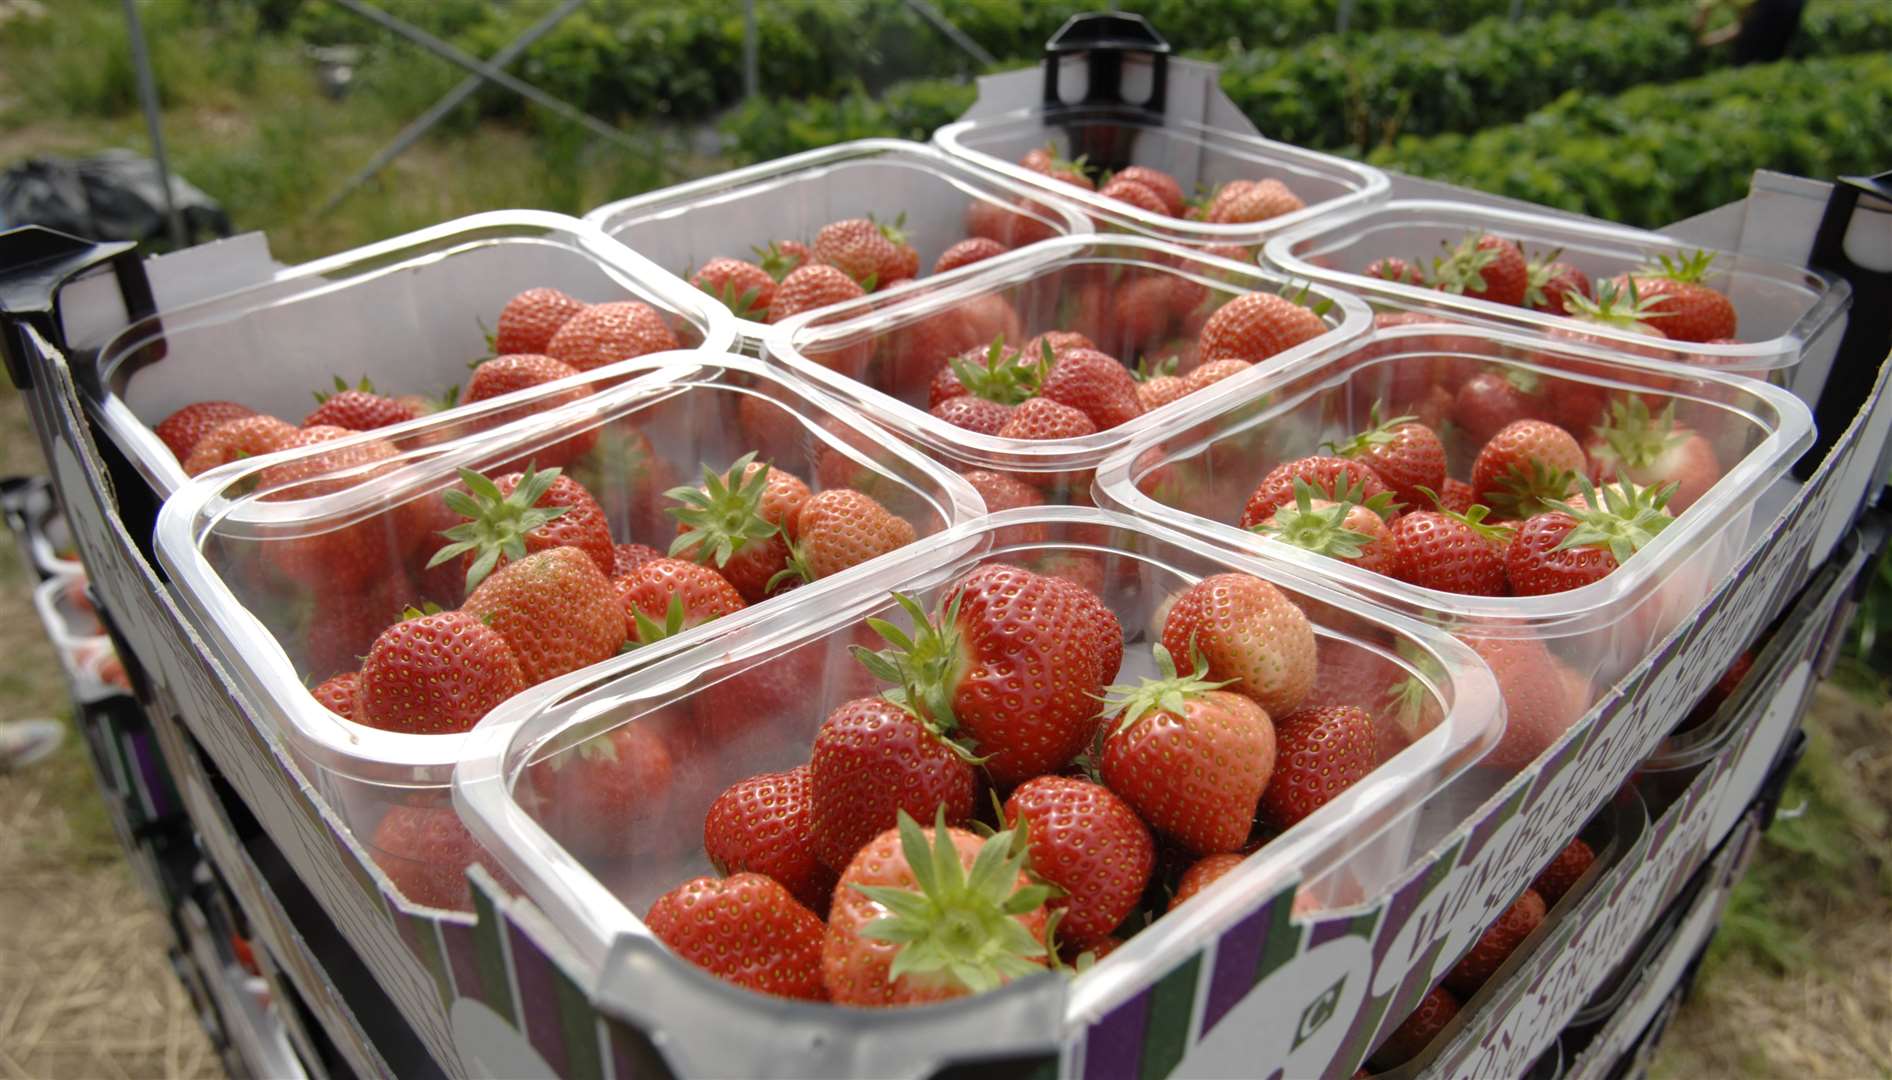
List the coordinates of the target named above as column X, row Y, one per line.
column 745, row 929
column 765, row 825
column 1561, row 875
column 1061, row 341
column 973, row 414
column 1080, row 577
column 528, row 321
column 873, row 759
column 1353, row 532
column 181, row 430
column 628, row 557
column 1256, row 326
column 664, row 597
column 1550, row 284
column 841, row 528
column 555, row 608
column 1451, row 551
column 1499, row 941
column 536, row 510
column 995, row 373
column 742, row 527
column 1394, row 268
column 810, row 286
column 511, row 373
column 1331, row 477
column 425, row 851
column 1159, row 390
column 966, row 252
column 1542, row 697
column 1206, row 375
column 1241, row 201
column 1457, row 496
column 337, row 693
column 1190, row 759
column 1248, row 632
column 1011, row 662
column 249, row 436
column 937, row 931
column 435, row 674
column 342, row 558
column 1319, row 753
column 1620, row 304
column 1650, row 451
column 1094, row 384
column 343, row 623
column 1691, row 310
column 743, row 287
column 783, row 258
column 1557, row 551
column 1484, row 267
column 607, row 333
column 1402, row 708
column 1405, row 454
column 867, row 251
column 1147, row 307
column 1042, row 418
column 1129, row 191
column 1160, row 182
column 1089, row 843
column 1203, row 873
column 1527, row 463
column 1417, row 1031
column 1490, row 400
column 357, row 408
column 609, row 796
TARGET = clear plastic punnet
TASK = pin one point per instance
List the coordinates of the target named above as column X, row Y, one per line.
column 883, row 355
column 1201, row 158
column 934, row 199
column 411, row 314
column 293, row 564
column 1199, row 475
column 1785, row 315
column 74, row 628
column 752, row 703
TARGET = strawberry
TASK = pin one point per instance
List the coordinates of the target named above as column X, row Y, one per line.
column 743, row 287
column 995, row 373
column 873, row 759
column 1691, row 310
column 1043, row 418
column 973, row 414
column 1061, row 341
column 607, row 333
column 1319, row 753
column 1499, row 396
column 1558, row 551
column 841, row 528
column 740, row 527
column 181, row 430
column 966, row 252
column 1525, row 465
column 1331, row 477
column 1092, row 383
column 1620, row 304
column 555, row 608
column 1646, row 450
column 343, row 623
column 425, row 850
column 357, row 408
column 1483, row 267
column 628, row 557
column 867, row 251
column 536, row 510
column 1451, row 551
column 1256, row 326
column 337, row 693
column 1250, row 633
column 1206, row 375
column 1549, row 284
column 1090, row 844
column 608, row 796
column 1401, row 707
column 1394, row 268
column 782, row 258
column 1039, row 159
column 810, row 286
column 1542, row 697
column 1457, row 496
column 529, row 321
column 663, row 597
column 923, row 915
column 1159, row 390
column 1237, row 252
column 1348, row 530
column 249, row 436
column 343, row 558
column 1012, row 661
column 435, row 674
column 745, row 929
column 1563, row 872
column 510, row 372
column 1203, row 873
column 1147, row 306
column 1240, row 201
column 1407, row 455
column 1137, row 195
column 1191, row 759
column 765, row 825
column 1158, row 181
column 1499, row 941
column 1410, row 1039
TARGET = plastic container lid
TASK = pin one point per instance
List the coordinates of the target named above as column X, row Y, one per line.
column 1784, row 313
column 596, row 898
column 1200, row 157
column 732, row 213
column 411, row 313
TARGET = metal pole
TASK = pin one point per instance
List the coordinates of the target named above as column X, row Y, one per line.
column 488, row 72
column 414, row 131
column 1517, row 10
column 148, row 97
column 953, row 33
column 1342, row 16
column 751, row 73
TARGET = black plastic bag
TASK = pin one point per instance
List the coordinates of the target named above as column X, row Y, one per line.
column 110, row 196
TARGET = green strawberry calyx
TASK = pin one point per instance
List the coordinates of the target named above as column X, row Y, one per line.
column 1378, row 433
column 1168, row 693
column 1006, row 380
column 1323, row 530
column 1530, row 488
column 496, row 524
column 1301, row 295
column 894, row 231
column 1473, row 518
column 1620, row 518
column 1687, row 269
column 740, row 304
column 1637, row 439
column 775, row 262
column 1462, row 268
column 924, row 666
column 1146, row 370
column 723, row 516
column 959, row 928
column 342, row 387
column 1623, row 307
column 1538, row 273
column 646, row 630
